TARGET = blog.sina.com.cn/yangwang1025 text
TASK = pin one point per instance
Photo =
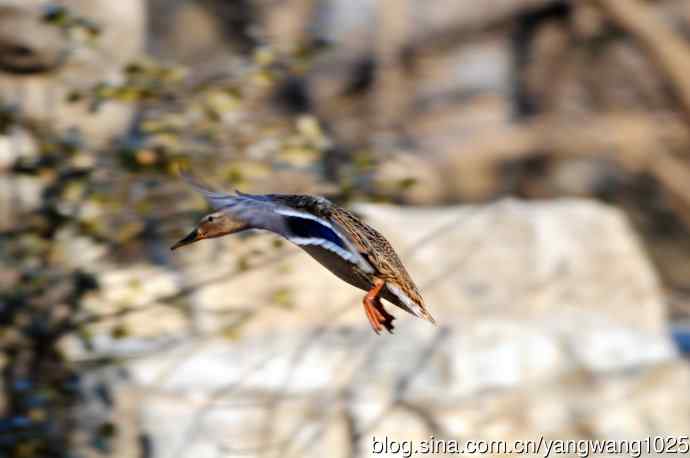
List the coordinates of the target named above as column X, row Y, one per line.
column 634, row 448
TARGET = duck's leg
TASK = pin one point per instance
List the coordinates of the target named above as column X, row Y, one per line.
column 378, row 317
column 387, row 318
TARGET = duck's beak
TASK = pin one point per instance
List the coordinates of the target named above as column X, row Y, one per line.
column 193, row 236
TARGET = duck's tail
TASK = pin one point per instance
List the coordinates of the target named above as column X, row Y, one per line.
column 405, row 302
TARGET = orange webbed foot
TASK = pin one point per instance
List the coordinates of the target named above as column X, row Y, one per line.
column 385, row 318
column 378, row 317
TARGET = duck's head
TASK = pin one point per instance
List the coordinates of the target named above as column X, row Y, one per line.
column 214, row 225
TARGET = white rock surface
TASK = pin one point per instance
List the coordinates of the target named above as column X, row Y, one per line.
column 550, row 323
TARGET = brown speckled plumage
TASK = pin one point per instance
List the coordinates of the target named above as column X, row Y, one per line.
column 378, row 251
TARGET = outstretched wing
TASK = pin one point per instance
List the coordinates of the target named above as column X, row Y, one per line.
column 305, row 229
column 299, row 227
column 216, row 199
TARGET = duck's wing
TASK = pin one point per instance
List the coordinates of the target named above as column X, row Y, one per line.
column 306, row 229
column 299, row 227
column 257, row 213
column 216, row 199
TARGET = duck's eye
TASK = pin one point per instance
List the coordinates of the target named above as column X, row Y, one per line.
column 210, row 219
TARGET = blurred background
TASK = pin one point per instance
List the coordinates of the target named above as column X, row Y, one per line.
column 529, row 160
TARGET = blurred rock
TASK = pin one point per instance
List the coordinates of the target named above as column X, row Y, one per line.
column 550, row 322
column 16, row 192
column 40, row 64
column 221, row 30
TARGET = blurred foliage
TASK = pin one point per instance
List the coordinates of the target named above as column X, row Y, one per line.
column 71, row 23
column 118, row 197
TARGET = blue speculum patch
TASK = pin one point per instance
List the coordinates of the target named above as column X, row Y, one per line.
column 308, row 228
